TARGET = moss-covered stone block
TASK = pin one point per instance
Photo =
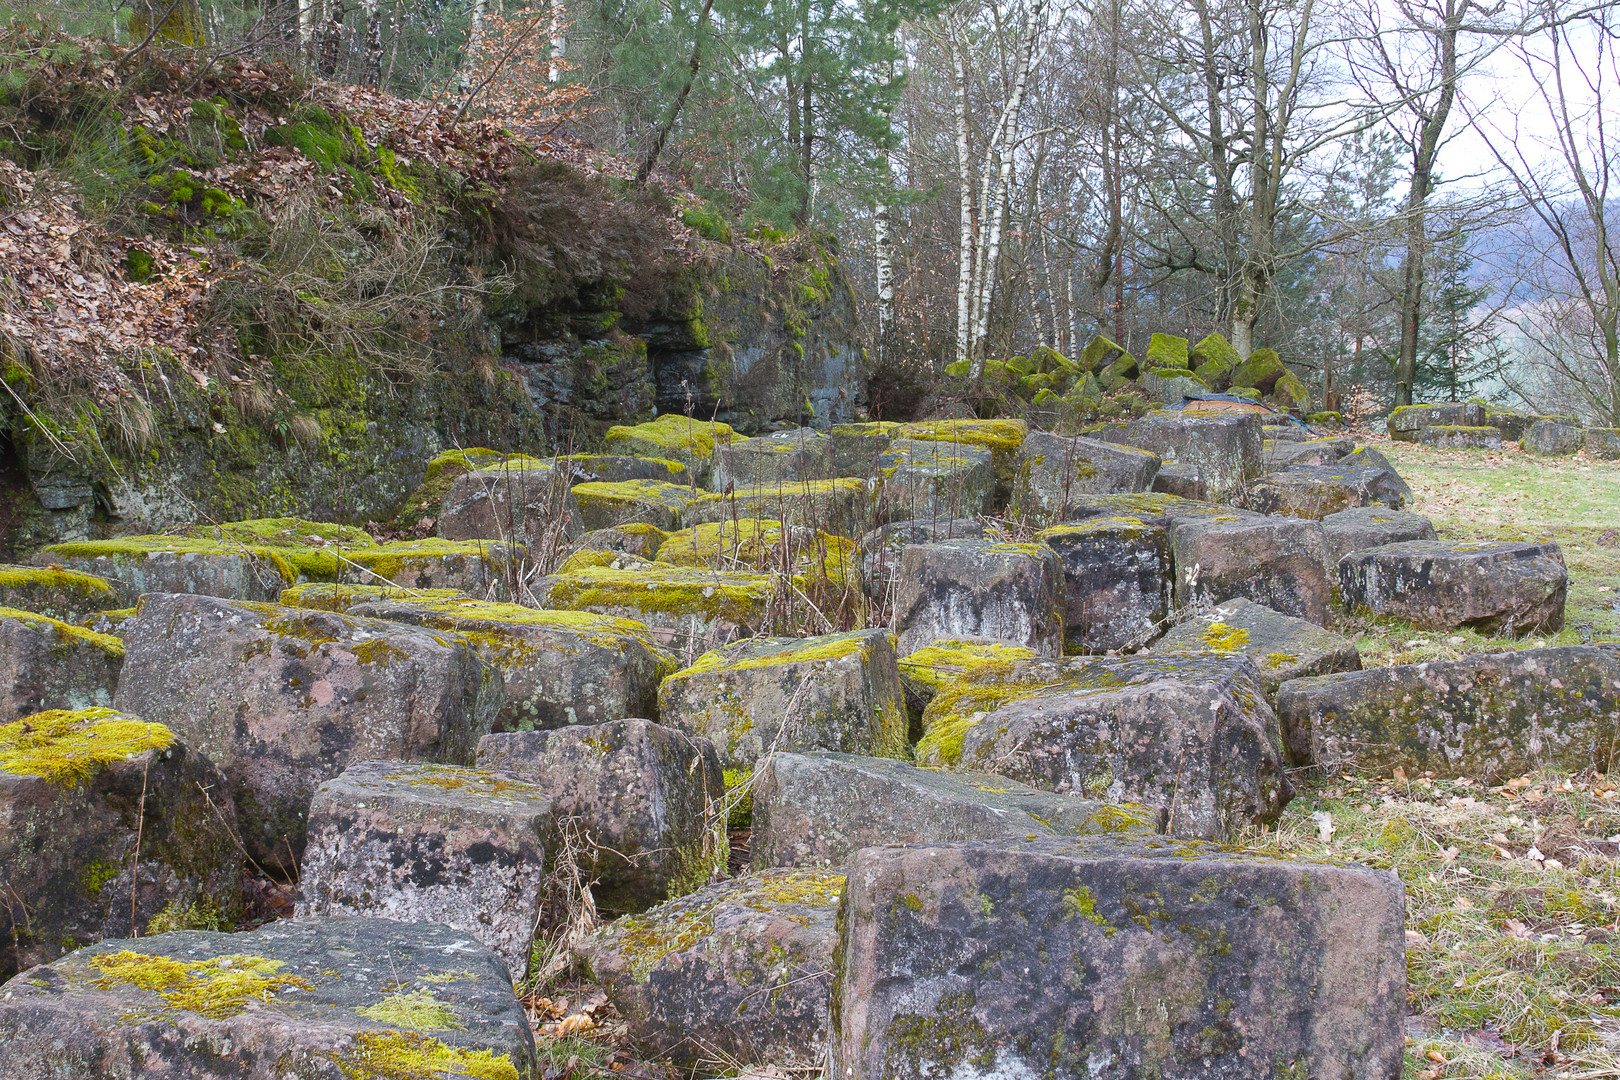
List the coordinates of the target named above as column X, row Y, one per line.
column 933, row 480
column 54, row 591
column 1275, row 561
column 1117, row 581
column 143, row 564
column 48, row 664
column 1116, row 957
column 1099, row 354
column 339, row 597
column 927, row 671
column 785, row 456
column 675, row 437
column 845, row 506
column 1603, row 444
column 1281, row 647
column 1315, row 491
column 1364, row 527
column 1260, row 371
column 1214, row 360
column 999, row 591
column 481, row 568
column 1504, row 588
column 833, row 692
column 1167, row 351
column 1553, row 437
column 1056, row 472
column 651, row 502
column 645, row 796
column 530, row 502
column 855, row 447
column 687, row 607
column 1001, row 437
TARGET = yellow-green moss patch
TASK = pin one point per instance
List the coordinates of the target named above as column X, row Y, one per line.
column 339, row 598
column 959, row 706
column 632, row 494
column 674, row 468
column 88, row 586
column 608, row 631
column 390, row 560
column 778, row 652
column 1219, row 637
column 659, row 589
column 406, row 1055
column 135, row 548
column 944, row 662
column 1004, row 436
column 418, row 1009
column 66, row 633
column 218, row 988
column 283, row 532
column 681, row 437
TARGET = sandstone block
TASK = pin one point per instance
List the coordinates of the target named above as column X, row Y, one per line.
column 1553, row 437
column 297, row 997
column 1488, row 716
column 57, row 594
column 523, row 505
column 284, row 698
column 80, row 793
column 855, row 447
column 1193, row 736
column 1185, row 481
column 818, row 809
column 1461, row 437
column 1276, row 455
column 1363, row 527
column 686, row 607
column 1407, row 421
column 1005, row 592
column 1109, row 957
column 142, row 564
column 675, row 437
column 741, row 967
column 1001, row 437
column 939, row 664
column 836, row 692
column 1603, row 444
column 1055, row 472
column 1493, row 587
column 47, row 664
column 653, row 502
column 1281, row 647
column 557, row 667
column 880, row 549
column 845, row 506
column 795, row 454
column 617, row 468
column 1274, row 561
column 430, row 844
column 1116, row 581
column 643, row 793
column 1225, row 448
column 923, row 479
column 480, row 568
column 1315, row 491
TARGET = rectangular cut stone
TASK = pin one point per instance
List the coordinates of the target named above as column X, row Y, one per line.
column 687, row 608
column 430, row 843
column 935, row 480
column 138, row 564
column 675, row 437
column 844, row 506
column 642, row 793
column 836, row 692
column 1226, row 448
column 1553, row 436
column 1407, row 422
column 482, row 568
column 817, row 809
column 795, row 454
column 1116, row 581
column 532, row 505
column 1193, row 736
column 1115, row 958
column 48, row 664
column 1489, row 716
column 1460, row 437
column 616, row 468
column 1282, row 647
column 1363, row 527
column 1315, row 491
column 664, row 505
column 1274, row 561
column 998, row 591
column 58, row 594
column 855, row 447
column 356, row 998
column 284, row 698
column 1493, row 587
column 1056, row 472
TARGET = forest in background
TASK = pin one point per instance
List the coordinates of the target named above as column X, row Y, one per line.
column 1407, row 200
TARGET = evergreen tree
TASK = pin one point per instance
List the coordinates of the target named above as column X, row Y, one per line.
column 1457, row 343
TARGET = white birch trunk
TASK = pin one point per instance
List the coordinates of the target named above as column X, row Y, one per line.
column 964, row 170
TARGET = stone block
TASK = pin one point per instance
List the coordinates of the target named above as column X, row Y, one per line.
column 675, row 438
column 1117, row 581
column 510, row 505
column 923, row 479
column 685, row 607
column 1603, row 444
column 818, row 809
column 617, row 468
column 1115, row 958
column 1156, row 508
column 1276, row 455
column 339, row 597
column 282, row 699
column 48, row 664
column 1489, row 716
column 1281, row 646
column 356, row 998
column 481, row 568
column 784, row 456
column 1362, row 527
column 1493, row 587
column 1012, row 593
column 1002, row 437
column 937, row 665
column 430, row 843
column 1226, row 448
column 845, row 506
column 1056, row 472
column 557, row 667
column 836, row 692
column 880, row 549
column 56, row 593
column 651, row 502
column 1275, row 561
column 1184, row 481
column 643, row 794
column 1461, row 437
column 855, row 447
column 1406, row 422
column 1193, row 736
column 1553, row 437
column 82, row 792
column 1510, row 422
column 141, row 564
column 740, row 968
column 1315, row 491
column 633, row 538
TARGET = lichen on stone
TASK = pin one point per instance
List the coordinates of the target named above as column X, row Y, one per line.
column 406, row 1055
column 65, row 747
column 417, row 1009
column 66, row 633
column 777, row 652
column 1221, row 638
column 681, row 435
column 217, row 988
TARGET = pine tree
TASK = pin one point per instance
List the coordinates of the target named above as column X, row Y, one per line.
column 1457, row 345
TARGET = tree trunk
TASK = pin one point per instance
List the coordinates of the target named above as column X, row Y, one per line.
column 650, row 161
column 371, row 75
column 965, row 236
column 332, row 43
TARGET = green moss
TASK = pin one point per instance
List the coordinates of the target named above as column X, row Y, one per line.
column 127, row 549
column 418, row 1009
column 624, row 495
column 463, row 614
column 404, row 1055
column 997, row 436
column 199, row 914
column 742, row 812
column 1082, row 902
column 56, row 579
column 778, row 652
column 393, row 559
column 66, row 634
column 93, row 877
column 66, row 747
column 657, row 589
column 283, row 532
column 684, row 439
column 1219, row 637
column 336, row 597
column 944, row 662
column 218, row 988
column 950, row 1042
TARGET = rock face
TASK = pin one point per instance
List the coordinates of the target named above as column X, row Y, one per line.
column 532, row 505
column 795, row 454
column 818, row 809
column 642, row 794
column 1116, row 581
column 855, row 447
column 58, row 594
column 301, row 997
column 1054, row 471
column 1487, row 716
column 1315, row 491
column 1281, row 647
column 742, row 967
column 480, row 568
column 844, row 506
column 284, row 698
column 1553, row 437
column 615, row 469
column 880, row 549
column 430, row 843
column 837, row 692
column 1603, row 444
column 1116, row 958
column 1365, row 527
column 557, row 667
column 80, row 792
column 1193, row 736
column 1225, row 449
column 675, row 438
column 1012, row 593
column 1274, row 561
column 46, row 664
column 924, row 479
column 1443, row 584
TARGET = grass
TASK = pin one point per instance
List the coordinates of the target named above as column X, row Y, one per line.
column 1509, row 495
